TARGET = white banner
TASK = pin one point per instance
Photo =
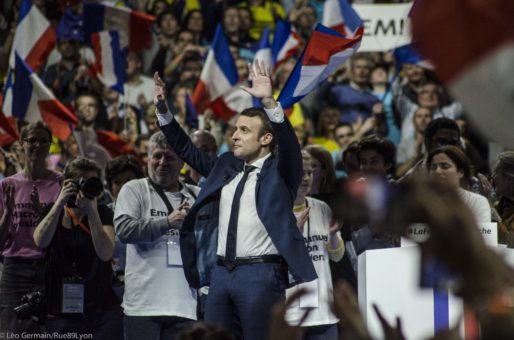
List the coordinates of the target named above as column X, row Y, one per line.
column 385, row 26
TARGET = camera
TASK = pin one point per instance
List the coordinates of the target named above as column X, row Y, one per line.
column 33, row 306
column 90, row 187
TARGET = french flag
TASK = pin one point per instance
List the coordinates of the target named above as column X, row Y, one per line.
column 326, row 50
column 476, row 64
column 286, row 42
column 191, row 115
column 111, row 61
column 34, row 38
column 135, row 28
column 341, row 17
column 264, row 48
column 28, row 99
column 407, row 54
column 217, row 88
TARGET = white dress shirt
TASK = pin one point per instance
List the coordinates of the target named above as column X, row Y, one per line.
column 252, row 237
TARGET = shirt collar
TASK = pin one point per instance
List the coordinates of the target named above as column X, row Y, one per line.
column 260, row 162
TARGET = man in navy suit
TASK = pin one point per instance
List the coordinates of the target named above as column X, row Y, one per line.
column 258, row 241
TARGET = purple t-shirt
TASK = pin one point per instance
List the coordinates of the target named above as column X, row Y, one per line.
column 20, row 241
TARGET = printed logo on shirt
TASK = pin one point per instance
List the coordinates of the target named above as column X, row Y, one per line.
column 25, row 216
column 158, row 213
column 316, row 247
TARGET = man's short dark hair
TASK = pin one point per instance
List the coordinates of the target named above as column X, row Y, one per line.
column 78, row 167
column 167, row 12
column 121, row 164
column 380, row 145
column 440, row 123
column 266, row 124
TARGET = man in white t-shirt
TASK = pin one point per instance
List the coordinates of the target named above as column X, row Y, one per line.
column 157, row 301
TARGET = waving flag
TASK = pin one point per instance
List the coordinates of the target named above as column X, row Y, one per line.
column 479, row 72
column 407, row 54
column 28, row 99
column 264, row 49
column 286, row 42
column 34, row 38
column 341, row 17
column 217, row 85
column 114, row 144
column 324, row 53
column 111, row 61
column 191, row 115
column 134, row 28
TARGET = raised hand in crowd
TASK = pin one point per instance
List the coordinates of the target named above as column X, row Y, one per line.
column 390, row 332
column 9, row 198
column 34, row 199
column 346, row 308
column 279, row 328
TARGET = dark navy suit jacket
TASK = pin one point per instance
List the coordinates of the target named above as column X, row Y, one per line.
column 275, row 192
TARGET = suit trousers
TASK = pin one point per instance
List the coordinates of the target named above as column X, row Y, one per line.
column 245, row 297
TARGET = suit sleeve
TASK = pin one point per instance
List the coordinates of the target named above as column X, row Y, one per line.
column 186, row 150
column 289, row 154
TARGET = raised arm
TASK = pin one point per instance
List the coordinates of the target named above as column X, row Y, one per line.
column 289, row 153
column 176, row 137
column 45, row 229
column 8, row 208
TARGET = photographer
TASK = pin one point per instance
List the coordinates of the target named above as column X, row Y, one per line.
column 79, row 239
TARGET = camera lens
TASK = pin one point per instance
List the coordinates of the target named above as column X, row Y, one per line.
column 91, row 187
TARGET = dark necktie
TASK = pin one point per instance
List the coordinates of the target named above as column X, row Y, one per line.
column 230, row 250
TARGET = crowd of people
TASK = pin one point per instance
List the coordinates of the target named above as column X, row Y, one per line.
column 220, row 221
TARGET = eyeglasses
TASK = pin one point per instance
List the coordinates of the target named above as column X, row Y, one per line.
column 39, row 142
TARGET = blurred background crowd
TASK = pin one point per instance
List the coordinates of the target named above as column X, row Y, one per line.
column 376, row 117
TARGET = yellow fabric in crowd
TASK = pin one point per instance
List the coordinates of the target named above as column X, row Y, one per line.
column 264, row 16
column 328, row 144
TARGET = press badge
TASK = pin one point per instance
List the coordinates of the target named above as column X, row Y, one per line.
column 311, row 298
column 73, row 295
column 173, row 249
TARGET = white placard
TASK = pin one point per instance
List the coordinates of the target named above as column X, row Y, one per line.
column 385, row 26
column 390, row 279
column 420, row 232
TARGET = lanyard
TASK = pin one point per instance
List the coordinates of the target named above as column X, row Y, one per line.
column 78, row 222
column 308, row 221
column 163, row 196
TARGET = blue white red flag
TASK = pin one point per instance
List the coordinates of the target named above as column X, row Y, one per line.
column 28, row 99
column 191, row 115
column 341, row 17
column 217, row 87
column 324, row 53
column 264, row 48
column 407, row 54
column 286, row 42
column 134, row 28
column 34, row 38
column 111, row 61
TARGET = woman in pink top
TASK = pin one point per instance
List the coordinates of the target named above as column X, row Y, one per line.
column 23, row 197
